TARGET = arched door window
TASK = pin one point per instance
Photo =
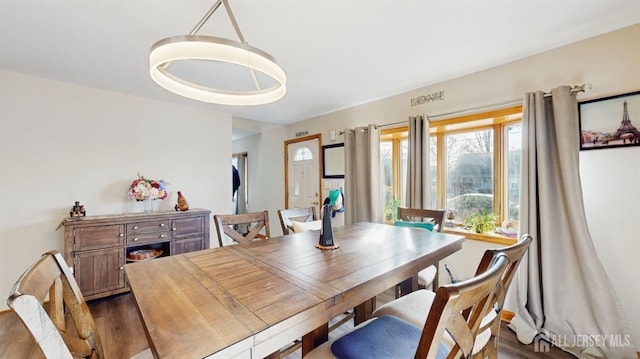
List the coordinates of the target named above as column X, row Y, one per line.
column 302, row 154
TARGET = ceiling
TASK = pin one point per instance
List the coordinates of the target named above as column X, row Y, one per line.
column 336, row 53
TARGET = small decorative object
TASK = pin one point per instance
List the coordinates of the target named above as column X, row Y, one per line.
column 326, row 232
column 509, row 228
column 481, row 223
column 77, row 210
column 145, row 189
column 451, row 217
column 182, row 203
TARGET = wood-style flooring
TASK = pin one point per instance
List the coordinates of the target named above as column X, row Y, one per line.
column 122, row 333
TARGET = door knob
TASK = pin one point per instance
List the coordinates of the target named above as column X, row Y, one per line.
column 316, row 203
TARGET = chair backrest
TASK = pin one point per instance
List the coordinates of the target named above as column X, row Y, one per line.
column 242, row 227
column 295, row 214
column 56, row 337
column 514, row 253
column 459, row 309
column 413, row 214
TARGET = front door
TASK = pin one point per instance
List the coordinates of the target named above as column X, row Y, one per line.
column 303, row 173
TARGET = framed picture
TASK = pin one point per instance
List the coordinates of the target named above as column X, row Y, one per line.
column 333, row 161
column 610, row 122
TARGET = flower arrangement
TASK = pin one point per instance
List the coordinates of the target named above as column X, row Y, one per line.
column 144, row 188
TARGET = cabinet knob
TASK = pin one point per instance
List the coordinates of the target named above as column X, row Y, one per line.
column 163, row 235
column 135, row 227
column 121, row 234
column 121, row 268
column 135, row 239
column 174, row 229
column 161, row 224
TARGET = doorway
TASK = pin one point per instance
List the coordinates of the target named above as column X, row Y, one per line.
column 302, row 163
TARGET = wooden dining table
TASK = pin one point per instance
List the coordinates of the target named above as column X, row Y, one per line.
column 248, row 301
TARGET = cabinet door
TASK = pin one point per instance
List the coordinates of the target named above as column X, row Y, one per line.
column 187, row 227
column 187, row 245
column 99, row 271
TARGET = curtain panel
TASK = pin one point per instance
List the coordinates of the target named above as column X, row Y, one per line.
column 561, row 290
column 362, row 175
column 418, row 188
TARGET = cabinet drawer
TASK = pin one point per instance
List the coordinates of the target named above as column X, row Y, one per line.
column 98, row 237
column 192, row 244
column 148, row 226
column 139, row 238
column 187, row 227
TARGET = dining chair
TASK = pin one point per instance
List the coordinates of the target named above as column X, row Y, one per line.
column 66, row 329
column 242, row 227
column 430, row 219
column 457, row 309
column 290, row 215
column 412, row 309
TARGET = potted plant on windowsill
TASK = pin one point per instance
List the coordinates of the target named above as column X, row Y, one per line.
column 482, row 222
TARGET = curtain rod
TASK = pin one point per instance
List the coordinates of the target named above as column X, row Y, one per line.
column 574, row 89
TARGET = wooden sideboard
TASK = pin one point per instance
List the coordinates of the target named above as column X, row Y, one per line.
column 97, row 247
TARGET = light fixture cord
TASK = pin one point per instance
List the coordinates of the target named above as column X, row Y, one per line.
column 206, row 17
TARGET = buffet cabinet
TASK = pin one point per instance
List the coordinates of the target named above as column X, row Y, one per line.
column 98, row 247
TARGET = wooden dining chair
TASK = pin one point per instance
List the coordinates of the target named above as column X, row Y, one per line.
column 67, row 328
column 431, row 219
column 457, row 309
column 411, row 308
column 242, row 227
column 303, row 215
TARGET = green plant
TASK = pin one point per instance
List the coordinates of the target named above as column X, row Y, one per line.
column 482, row 222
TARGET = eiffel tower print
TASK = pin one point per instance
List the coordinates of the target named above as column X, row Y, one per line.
column 609, row 122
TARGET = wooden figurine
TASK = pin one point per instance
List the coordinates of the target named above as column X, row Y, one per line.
column 77, row 210
column 182, row 203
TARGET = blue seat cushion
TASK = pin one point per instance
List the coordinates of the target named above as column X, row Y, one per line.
column 424, row 225
column 386, row 337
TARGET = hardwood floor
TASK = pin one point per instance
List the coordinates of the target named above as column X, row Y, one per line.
column 123, row 336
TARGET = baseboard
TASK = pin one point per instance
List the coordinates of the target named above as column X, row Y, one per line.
column 507, row 316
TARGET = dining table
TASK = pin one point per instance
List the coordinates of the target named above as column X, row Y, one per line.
column 250, row 300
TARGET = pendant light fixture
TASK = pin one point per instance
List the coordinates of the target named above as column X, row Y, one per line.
column 200, row 47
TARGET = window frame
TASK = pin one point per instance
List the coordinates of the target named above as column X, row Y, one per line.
column 498, row 121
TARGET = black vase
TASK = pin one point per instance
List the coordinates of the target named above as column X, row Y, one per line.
column 326, row 232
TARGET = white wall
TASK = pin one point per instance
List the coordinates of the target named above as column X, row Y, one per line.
column 61, row 143
column 610, row 180
column 612, row 64
column 265, row 153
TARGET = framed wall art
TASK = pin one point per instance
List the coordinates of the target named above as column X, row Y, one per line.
column 333, row 161
column 610, row 122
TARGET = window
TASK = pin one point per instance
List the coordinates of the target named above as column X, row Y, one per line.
column 302, row 154
column 393, row 167
column 475, row 163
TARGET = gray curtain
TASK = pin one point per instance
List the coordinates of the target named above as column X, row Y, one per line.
column 362, row 175
column 418, row 190
column 561, row 290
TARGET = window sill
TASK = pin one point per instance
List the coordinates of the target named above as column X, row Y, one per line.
column 491, row 237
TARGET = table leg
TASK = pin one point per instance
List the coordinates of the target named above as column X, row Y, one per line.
column 364, row 311
column 315, row 338
column 408, row 285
